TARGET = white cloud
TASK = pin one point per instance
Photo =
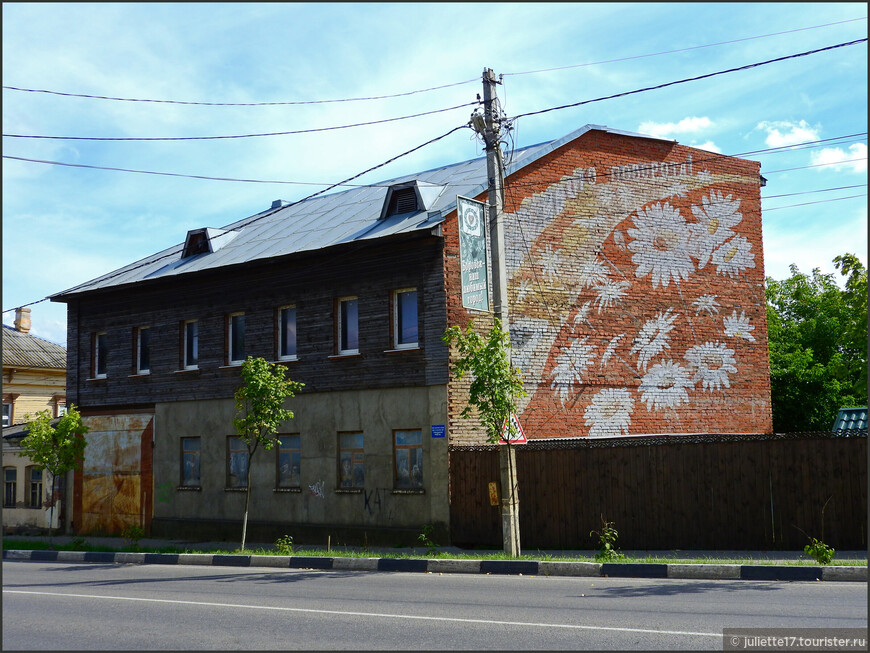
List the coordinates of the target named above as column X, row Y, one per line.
column 783, row 133
column 855, row 160
column 684, row 126
column 709, row 146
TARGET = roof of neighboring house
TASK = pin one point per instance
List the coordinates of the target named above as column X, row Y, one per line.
column 849, row 419
column 327, row 220
column 26, row 351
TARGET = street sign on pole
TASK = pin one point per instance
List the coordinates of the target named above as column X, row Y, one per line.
column 472, row 253
column 513, row 430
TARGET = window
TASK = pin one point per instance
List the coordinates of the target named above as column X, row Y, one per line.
column 101, row 355
column 190, row 448
column 408, row 454
column 289, row 461
column 348, row 326
column 7, row 414
column 190, row 344
column 287, row 333
column 143, row 350
column 10, row 485
column 237, row 463
column 34, row 477
column 236, row 338
column 351, row 461
column 405, row 318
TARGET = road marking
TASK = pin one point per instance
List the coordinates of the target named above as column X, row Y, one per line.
column 372, row 614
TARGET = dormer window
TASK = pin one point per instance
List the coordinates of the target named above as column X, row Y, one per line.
column 410, row 197
column 196, row 243
column 403, row 200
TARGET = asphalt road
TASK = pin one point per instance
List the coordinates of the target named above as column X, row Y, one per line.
column 64, row 606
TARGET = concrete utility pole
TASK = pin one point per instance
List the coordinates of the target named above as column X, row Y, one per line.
column 494, row 171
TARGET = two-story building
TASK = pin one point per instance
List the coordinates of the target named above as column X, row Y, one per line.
column 635, row 280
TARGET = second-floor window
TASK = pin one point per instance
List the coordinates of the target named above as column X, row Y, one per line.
column 405, row 318
column 101, row 355
column 236, row 338
column 348, row 325
column 190, row 344
column 143, row 350
column 7, row 414
column 287, row 333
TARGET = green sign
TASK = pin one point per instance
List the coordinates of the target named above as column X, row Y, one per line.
column 472, row 253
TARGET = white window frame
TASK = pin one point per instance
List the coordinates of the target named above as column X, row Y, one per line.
column 139, row 368
column 397, row 330
column 7, row 413
column 188, row 324
column 342, row 302
column 282, row 356
column 98, row 358
column 230, row 358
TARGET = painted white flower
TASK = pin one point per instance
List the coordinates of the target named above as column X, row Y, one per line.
column 594, row 274
column 661, row 245
column 666, row 385
column 712, row 363
column 524, row 289
column 705, row 177
column 738, row 327
column 706, row 304
column 653, row 338
column 551, row 263
column 609, row 414
column 716, row 216
column 734, row 256
column 610, row 349
column 570, row 366
column 610, row 292
column 619, row 239
column 582, row 314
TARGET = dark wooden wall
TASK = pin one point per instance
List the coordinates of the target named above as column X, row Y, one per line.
column 672, row 492
column 370, row 271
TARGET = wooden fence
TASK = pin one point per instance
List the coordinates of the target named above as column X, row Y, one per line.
column 711, row 492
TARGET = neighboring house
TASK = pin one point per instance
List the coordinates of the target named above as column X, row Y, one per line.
column 636, row 287
column 34, row 379
column 851, row 419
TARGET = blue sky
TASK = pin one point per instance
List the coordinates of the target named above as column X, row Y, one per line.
column 63, row 225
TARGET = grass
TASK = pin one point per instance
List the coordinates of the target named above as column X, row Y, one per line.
column 13, row 543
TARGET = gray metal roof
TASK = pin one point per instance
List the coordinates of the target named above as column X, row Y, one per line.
column 26, row 351
column 328, row 220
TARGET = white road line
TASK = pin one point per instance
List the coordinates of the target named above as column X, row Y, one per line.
column 371, row 614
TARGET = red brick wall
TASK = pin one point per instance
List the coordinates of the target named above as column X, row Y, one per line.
column 636, row 285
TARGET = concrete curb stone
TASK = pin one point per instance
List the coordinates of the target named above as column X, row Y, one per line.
column 423, row 565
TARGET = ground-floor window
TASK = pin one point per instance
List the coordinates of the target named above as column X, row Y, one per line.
column 35, row 479
column 190, row 462
column 289, row 461
column 237, row 462
column 408, row 454
column 351, row 460
column 10, row 486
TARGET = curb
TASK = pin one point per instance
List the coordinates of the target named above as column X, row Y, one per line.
column 462, row 566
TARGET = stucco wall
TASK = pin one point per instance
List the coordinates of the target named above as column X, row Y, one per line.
column 319, row 418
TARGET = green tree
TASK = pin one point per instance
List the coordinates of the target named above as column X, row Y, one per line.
column 818, row 345
column 260, row 411
column 55, row 449
column 495, row 388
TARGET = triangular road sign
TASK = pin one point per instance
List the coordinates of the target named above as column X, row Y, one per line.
column 515, row 432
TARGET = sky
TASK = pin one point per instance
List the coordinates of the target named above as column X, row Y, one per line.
column 323, row 69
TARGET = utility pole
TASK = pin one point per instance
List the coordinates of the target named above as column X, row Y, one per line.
column 495, row 175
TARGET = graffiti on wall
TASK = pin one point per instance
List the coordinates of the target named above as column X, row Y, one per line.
column 624, row 291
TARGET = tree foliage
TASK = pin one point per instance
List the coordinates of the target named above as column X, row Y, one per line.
column 260, row 411
column 818, row 345
column 496, row 385
column 57, row 449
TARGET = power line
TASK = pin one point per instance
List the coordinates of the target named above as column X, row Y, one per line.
column 834, row 199
column 695, row 47
column 690, row 79
column 207, row 138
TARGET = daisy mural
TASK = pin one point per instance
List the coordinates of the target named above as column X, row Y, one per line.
column 712, row 363
column 661, row 245
column 570, row 367
column 666, row 385
column 609, row 414
column 637, row 266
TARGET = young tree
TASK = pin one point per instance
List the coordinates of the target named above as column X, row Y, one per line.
column 260, row 411
column 818, row 345
column 56, row 449
column 495, row 388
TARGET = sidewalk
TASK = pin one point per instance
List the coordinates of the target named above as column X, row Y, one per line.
column 709, row 565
